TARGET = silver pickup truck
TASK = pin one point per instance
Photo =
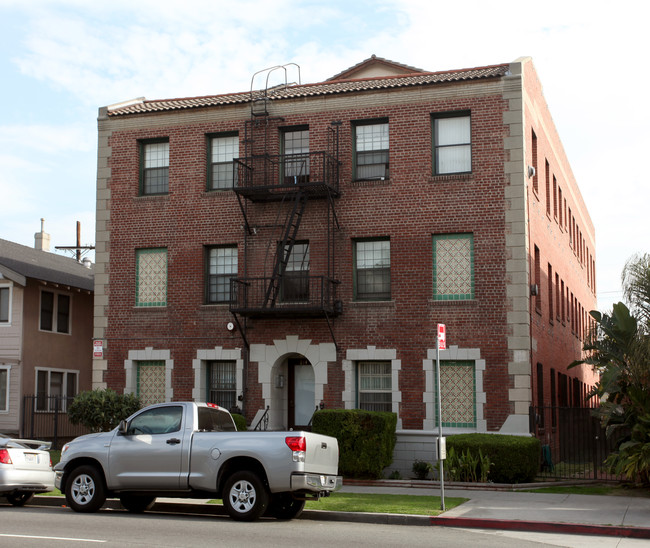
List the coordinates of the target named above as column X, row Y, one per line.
column 192, row 450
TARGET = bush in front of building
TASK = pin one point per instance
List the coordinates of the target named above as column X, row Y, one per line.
column 513, row 459
column 240, row 422
column 366, row 439
column 102, row 410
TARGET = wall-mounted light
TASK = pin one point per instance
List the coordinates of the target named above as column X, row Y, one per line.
column 534, row 290
column 531, row 172
column 279, row 381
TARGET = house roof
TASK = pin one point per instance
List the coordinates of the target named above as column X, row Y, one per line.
column 19, row 261
column 329, row 87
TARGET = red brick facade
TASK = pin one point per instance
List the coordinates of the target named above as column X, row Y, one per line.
column 502, row 331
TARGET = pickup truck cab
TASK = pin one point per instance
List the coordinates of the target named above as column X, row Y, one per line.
column 192, row 450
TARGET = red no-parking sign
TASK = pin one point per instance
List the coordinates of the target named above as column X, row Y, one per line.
column 442, row 336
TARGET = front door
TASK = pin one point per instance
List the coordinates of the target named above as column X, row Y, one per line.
column 300, row 393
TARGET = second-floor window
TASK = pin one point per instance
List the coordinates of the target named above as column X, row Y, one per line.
column 295, row 147
column 453, row 267
column 295, row 282
column 371, row 150
column 154, row 168
column 151, row 277
column 372, row 270
column 55, row 312
column 452, row 144
column 220, row 268
column 5, row 296
column 223, row 149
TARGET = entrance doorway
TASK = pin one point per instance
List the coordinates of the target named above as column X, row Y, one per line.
column 300, row 393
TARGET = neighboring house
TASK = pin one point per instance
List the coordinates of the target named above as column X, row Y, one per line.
column 46, row 311
column 295, row 247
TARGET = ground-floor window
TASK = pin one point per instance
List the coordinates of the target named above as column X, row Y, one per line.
column 222, row 383
column 151, row 381
column 374, row 381
column 54, row 388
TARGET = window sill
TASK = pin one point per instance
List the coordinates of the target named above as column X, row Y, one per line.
column 372, row 304
column 150, row 308
column 447, row 302
column 366, row 183
column 463, row 176
column 152, row 197
column 210, row 193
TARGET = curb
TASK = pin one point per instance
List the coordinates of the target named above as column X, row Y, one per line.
column 197, row 508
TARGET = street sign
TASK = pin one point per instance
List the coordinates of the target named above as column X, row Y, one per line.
column 98, row 348
column 442, row 336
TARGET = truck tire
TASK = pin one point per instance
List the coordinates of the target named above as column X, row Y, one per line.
column 136, row 503
column 284, row 506
column 19, row 498
column 85, row 489
column 245, row 497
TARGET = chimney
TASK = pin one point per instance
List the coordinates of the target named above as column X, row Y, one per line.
column 42, row 239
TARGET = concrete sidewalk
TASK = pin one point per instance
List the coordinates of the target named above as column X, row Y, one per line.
column 497, row 507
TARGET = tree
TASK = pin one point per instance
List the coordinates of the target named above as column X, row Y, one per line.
column 619, row 348
column 102, row 410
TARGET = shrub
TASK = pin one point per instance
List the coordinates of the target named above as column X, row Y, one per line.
column 102, row 410
column 513, row 459
column 240, row 422
column 366, row 439
column 466, row 466
column 420, row 469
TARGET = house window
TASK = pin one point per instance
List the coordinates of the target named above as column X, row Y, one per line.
column 55, row 387
column 4, row 388
column 222, row 150
column 372, row 261
column 151, row 385
column 55, row 312
column 222, row 383
column 534, row 152
column 457, row 394
column 151, row 277
column 221, row 267
column 550, row 293
column 154, row 169
column 538, row 280
column 453, row 267
column 295, row 147
column 547, row 174
column 374, row 381
column 371, row 150
column 295, row 281
column 452, row 144
column 5, row 308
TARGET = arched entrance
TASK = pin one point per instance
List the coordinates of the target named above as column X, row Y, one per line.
column 300, row 392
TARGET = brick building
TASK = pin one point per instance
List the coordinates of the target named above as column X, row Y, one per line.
column 294, row 246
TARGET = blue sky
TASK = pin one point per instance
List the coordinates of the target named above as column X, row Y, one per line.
column 60, row 60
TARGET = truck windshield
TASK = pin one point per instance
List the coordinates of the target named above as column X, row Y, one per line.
column 215, row 420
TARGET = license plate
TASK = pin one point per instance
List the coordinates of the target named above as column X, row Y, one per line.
column 31, row 458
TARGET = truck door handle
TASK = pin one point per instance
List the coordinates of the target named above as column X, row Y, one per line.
column 173, row 441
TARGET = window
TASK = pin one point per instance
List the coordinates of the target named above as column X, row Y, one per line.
column 222, row 383
column 215, row 420
column 452, row 144
column 222, row 150
column 557, row 296
column 375, row 385
column 154, row 169
column 372, row 261
column 555, row 197
column 221, row 267
column 547, row 174
column 151, row 386
column 371, row 147
column 4, row 388
column 549, row 281
column 453, row 267
column 54, row 387
column 295, row 281
column 295, row 147
column 161, row 420
column 151, row 277
column 559, row 201
column 55, row 312
column 538, row 279
column 534, row 153
column 5, row 308
column 457, row 394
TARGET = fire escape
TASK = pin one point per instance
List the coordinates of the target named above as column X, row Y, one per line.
column 278, row 187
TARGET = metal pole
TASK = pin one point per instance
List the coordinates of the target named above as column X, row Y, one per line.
column 440, row 460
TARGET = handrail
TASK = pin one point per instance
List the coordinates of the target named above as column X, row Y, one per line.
column 265, row 419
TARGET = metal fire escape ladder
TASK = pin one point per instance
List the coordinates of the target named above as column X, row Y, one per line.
column 285, row 247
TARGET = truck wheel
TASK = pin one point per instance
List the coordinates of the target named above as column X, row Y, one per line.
column 85, row 490
column 244, row 496
column 20, row 498
column 284, row 506
column 136, row 503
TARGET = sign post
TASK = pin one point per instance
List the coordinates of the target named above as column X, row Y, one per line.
column 441, row 344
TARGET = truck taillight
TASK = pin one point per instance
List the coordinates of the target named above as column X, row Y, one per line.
column 4, row 457
column 298, row 446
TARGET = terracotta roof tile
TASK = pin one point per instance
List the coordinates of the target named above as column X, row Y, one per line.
column 311, row 90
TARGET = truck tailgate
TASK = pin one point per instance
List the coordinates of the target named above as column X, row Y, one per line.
column 322, row 455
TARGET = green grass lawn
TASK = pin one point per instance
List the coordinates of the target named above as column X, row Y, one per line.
column 614, row 490
column 419, row 505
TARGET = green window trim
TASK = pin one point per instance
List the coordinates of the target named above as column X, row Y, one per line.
column 145, row 289
column 444, row 268
column 448, row 392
